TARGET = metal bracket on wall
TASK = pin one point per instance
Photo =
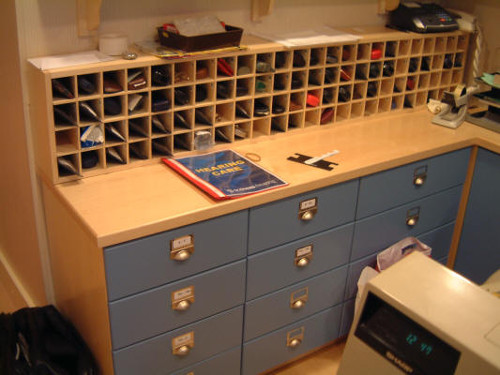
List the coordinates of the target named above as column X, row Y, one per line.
column 88, row 15
column 261, row 8
column 385, row 6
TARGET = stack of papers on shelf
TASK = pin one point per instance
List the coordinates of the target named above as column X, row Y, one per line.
column 72, row 59
column 322, row 35
column 199, row 25
column 225, row 174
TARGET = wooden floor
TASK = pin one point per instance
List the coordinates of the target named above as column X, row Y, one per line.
column 322, row 362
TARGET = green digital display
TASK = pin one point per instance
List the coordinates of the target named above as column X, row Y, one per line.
column 403, row 342
column 413, row 340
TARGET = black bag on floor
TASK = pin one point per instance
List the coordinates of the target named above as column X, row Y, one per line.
column 39, row 341
column 7, row 345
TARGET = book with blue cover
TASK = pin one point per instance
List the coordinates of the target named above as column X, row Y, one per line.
column 225, row 174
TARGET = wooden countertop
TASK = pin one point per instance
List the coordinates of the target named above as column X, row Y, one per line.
column 129, row 204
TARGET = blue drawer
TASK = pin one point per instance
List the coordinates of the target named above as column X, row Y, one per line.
column 213, row 335
column 347, row 318
column 227, row 363
column 296, row 302
column 440, row 240
column 354, row 271
column 146, row 263
column 377, row 232
column 394, row 187
column 279, row 222
column 272, row 349
column 151, row 313
column 276, row 268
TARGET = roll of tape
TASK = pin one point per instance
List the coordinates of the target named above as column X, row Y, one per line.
column 113, row 44
column 459, row 91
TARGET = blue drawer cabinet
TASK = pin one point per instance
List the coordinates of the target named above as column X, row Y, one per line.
column 204, row 339
column 187, row 282
column 176, row 304
column 292, row 218
column 149, row 260
column 291, row 341
column 265, row 285
column 404, row 184
column 298, row 301
column 279, row 267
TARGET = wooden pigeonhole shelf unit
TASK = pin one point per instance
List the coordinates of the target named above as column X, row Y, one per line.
column 273, row 90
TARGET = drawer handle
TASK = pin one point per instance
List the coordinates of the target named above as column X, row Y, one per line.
column 297, row 305
column 181, row 248
column 182, row 305
column 302, row 262
column 182, row 351
column 182, row 255
column 419, row 180
column 303, row 255
column 182, row 345
column 412, row 221
column 299, row 298
column 419, row 176
column 412, row 216
column 307, row 215
column 308, row 209
column 294, row 342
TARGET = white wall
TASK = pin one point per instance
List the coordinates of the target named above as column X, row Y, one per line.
column 487, row 13
column 49, row 26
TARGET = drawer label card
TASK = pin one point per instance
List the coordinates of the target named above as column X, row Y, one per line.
column 181, row 242
column 183, row 339
column 299, row 298
column 183, row 293
column 181, row 248
column 308, row 204
column 181, row 345
column 294, row 338
column 308, row 209
column 303, row 256
column 420, row 175
column 300, row 294
column 183, row 298
column 304, row 251
column 412, row 216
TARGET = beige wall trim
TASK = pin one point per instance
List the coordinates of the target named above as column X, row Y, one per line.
column 16, row 281
column 35, row 186
column 459, row 223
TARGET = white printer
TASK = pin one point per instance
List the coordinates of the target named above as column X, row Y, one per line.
column 418, row 317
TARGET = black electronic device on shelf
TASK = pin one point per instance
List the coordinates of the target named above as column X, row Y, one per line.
column 422, row 18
